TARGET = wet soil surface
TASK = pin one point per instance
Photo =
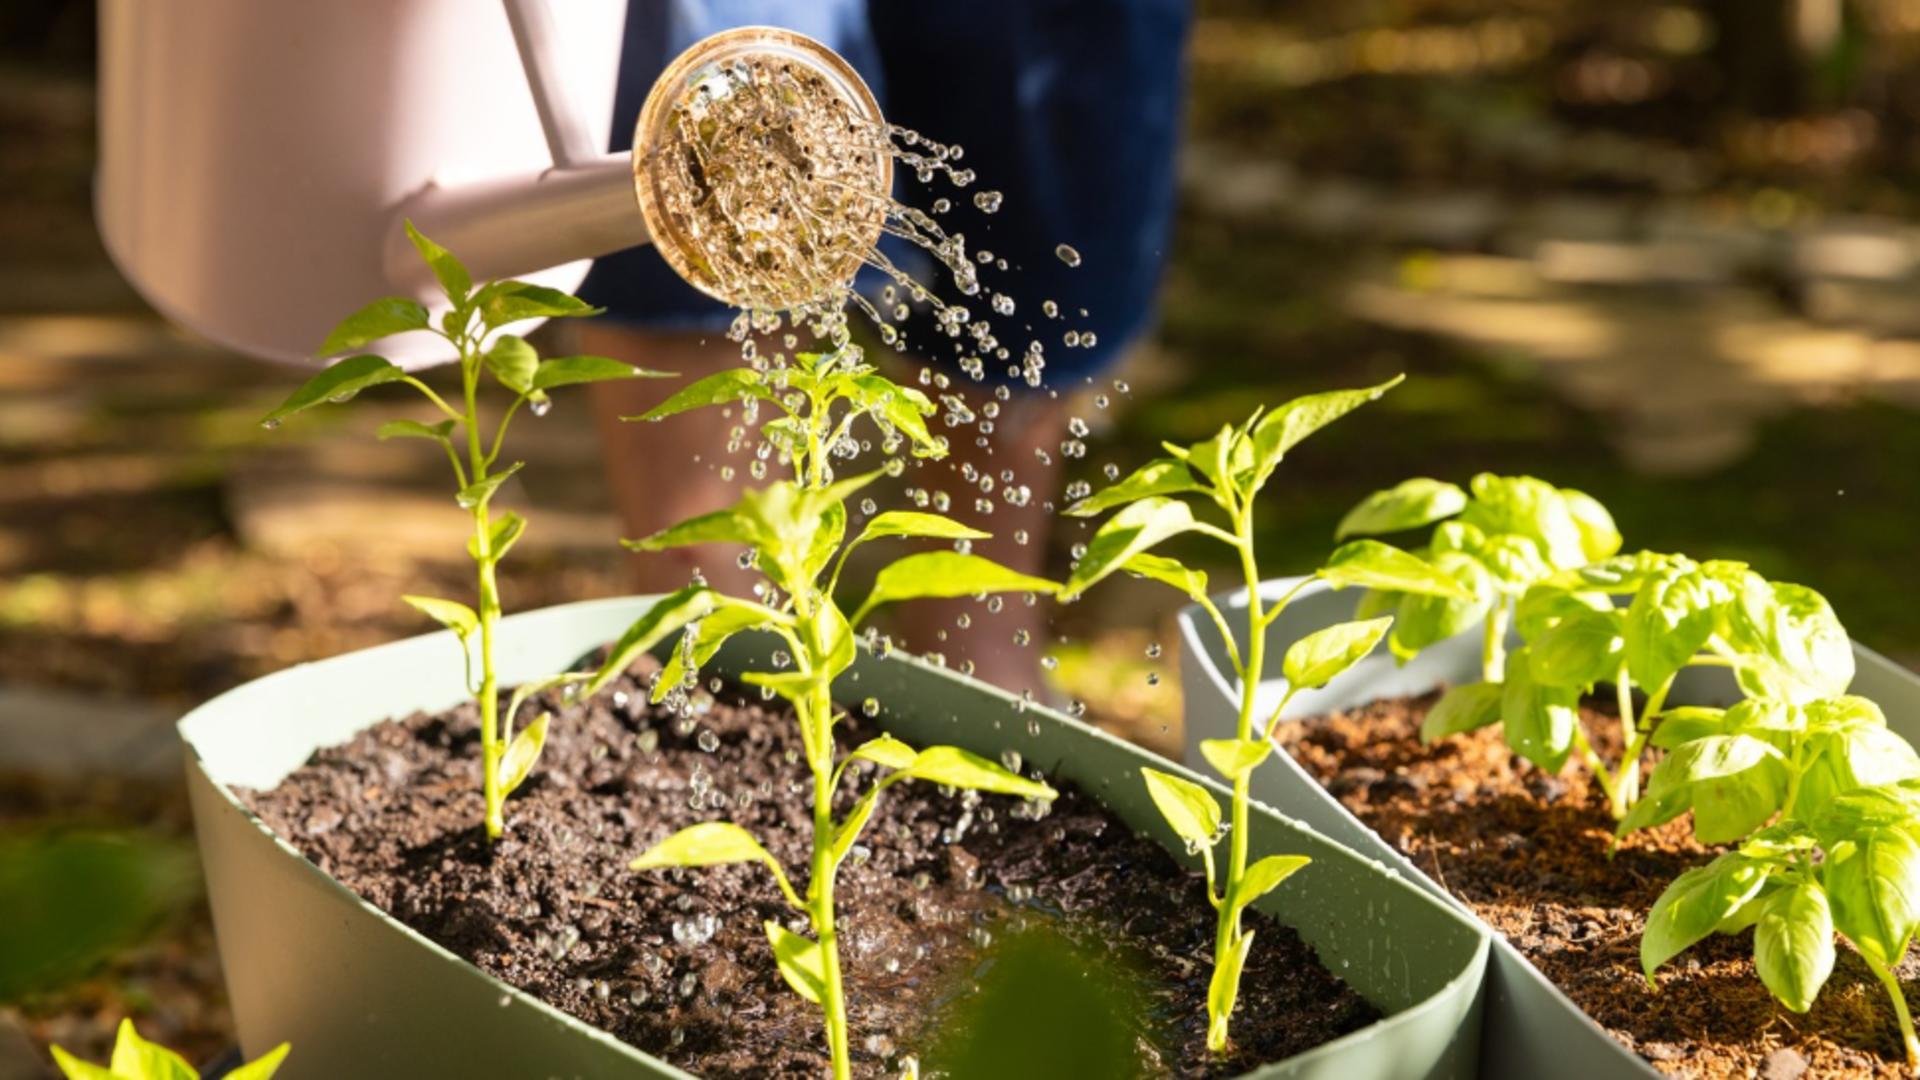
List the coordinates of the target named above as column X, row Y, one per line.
column 1528, row 851
column 677, row 963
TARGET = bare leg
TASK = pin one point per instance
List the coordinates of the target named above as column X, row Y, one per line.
column 663, row 473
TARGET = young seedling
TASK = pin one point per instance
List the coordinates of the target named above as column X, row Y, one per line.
column 796, row 534
column 1853, row 868
column 1228, row 471
column 473, row 327
column 134, row 1058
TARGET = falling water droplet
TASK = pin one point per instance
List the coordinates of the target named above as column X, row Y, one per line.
column 540, row 406
column 987, row 201
column 1067, row 255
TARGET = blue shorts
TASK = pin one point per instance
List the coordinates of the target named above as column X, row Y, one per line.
column 1070, row 107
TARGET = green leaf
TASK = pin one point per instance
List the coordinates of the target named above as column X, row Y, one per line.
column 1420, row 621
column 262, row 1067
column 903, row 409
column 1231, row 757
column 730, row 387
column 1224, row 988
column 848, row 832
column 955, row 767
column 453, row 277
column 382, row 318
column 451, row 614
column 1161, row 476
column 476, row 493
column 1685, row 723
column 522, row 752
column 667, row 615
column 705, row 637
column 1599, row 536
column 74, row 1069
column 1733, row 783
column 1282, row 429
column 886, row 751
column 801, row 961
column 513, row 362
column 1462, row 708
column 1695, row 903
column 1790, row 645
column 727, row 526
column 1314, row 660
column 504, row 532
column 138, row 1059
column 1582, row 649
column 1131, row 532
column 710, row 843
column 1265, row 875
column 1527, row 507
column 414, row 429
column 1546, row 603
column 1168, row 572
column 504, row 302
column 1382, row 566
column 1221, row 458
column 1515, row 562
column 1793, row 944
column 571, row 370
column 1407, row 505
column 946, row 574
column 1188, row 807
column 1537, row 721
column 1670, row 620
column 1874, row 884
column 915, row 523
column 337, row 383
column 1864, row 810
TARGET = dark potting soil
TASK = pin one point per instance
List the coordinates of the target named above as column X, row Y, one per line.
column 1528, row 850
column 950, row 893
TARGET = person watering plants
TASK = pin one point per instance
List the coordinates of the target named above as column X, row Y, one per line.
column 1071, row 107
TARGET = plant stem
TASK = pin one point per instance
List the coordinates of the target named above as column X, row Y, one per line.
column 1899, row 996
column 820, row 886
column 489, row 604
column 1227, row 933
column 1493, row 647
column 1626, row 789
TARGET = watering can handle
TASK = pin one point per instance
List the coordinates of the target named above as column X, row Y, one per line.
column 568, row 138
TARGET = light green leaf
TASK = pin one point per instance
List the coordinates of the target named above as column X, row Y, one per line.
column 847, row 833
column 504, row 302
column 1793, row 944
column 414, row 429
column 915, row 523
column 801, row 962
column 453, row 277
column 1733, row 783
column 137, row 1059
column 886, row 751
column 1527, row 507
column 570, row 370
column 1407, row 505
column 522, row 753
column 513, row 362
column 1685, row 723
column 955, row 767
column 1582, row 649
column 1314, row 660
column 1161, row 476
column 1188, row 807
column 903, row 409
column 1515, row 562
column 946, row 574
column 504, row 533
column 1874, row 884
column 1695, row 903
column 729, row 387
column 728, row 526
column 336, row 384
column 1462, row 708
column 1546, row 603
column 1282, row 429
column 710, row 843
column 1265, row 875
column 1221, row 458
column 1382, row 566
column 262, row 1067
column 1790, row 645
column 476, row 493
column 1599, row 536
column 385, row 316
column 1670, row 620
column 74, row 1069
column 1224, row 988
column 1132, row 531
column 667, row 615
column 706, row 636
column 451, row 614
column 1537, row 721
column 1420, row 621
column 1168, row 572
column 1864, row 810
column 1231, row 757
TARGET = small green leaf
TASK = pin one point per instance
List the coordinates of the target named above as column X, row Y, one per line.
column 1407, row 505
column 1685, row 723
column 571, row 370
column 1793, row 944
column 902, row 409
column 504, row 302
column 1282, row 429
column 1168, row 572
column 1527, row 507
column 1516, row 562
column 513, row 362
column 414, row 429
column 1670, row 620
column 728, row 526
column 1316, row 659
column 847, row 833
column 1733, row 783
column 1695, row 903
column 1131, row 532
column 1537, row 721
column 729, row 387
column 915, row 523
column 801, row 962
column 668, row 614
column 451, row 614
column 384, row 317
column 522, row 752
column 1858, row 812
column 74, row 1069
column 1161, row 476
column 1420, row 621
column 1462, row 708
column 1582, row 649
column 504, row 532
column 1220, row 459
column 1231, row 757
column 476, row 493
column 262, row 1067
column 1188, row 807
column 955, row 767
column 1599, row 536
column 336, row 384
column 1265, row 875
column 1790, row 645
column 452, row 275
column 1547, row 602
column 137, row 1059
column 706, row 636
column 887, row 752
column 1224, row 988
column 946, row 574
column 1875, row 890
column 1382, row 566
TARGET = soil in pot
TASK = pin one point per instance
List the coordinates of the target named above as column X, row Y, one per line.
column 1528, row 851
column 977, row 936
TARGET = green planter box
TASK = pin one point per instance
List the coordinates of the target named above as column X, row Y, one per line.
column 1531, row 1028
column 359, row 994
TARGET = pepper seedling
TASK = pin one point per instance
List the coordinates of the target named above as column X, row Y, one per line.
column 1228, row 471
column 1853, row 869
column 473, row 327
column 796, row 535
column 134, row 1058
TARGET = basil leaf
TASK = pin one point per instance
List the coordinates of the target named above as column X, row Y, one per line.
column 1537, row 721
column 1375, row 565
column 1695, row 903
column 1874, row 884
column 1793, row 944
column 1582, row 649
column 1407, row 505
column 1462, row 708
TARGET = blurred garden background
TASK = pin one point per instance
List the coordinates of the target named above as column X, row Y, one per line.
column 1665, row 252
